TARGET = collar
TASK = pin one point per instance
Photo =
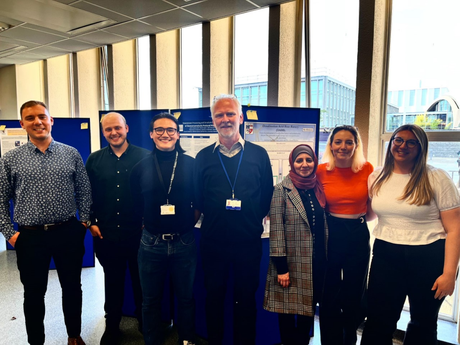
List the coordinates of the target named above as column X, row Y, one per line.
column 31, row 146
column 126, row 151
column 237, row 145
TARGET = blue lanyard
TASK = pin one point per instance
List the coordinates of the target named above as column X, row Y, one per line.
column 226, row 174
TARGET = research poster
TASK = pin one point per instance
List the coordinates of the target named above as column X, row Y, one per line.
column 10, row 138
column 196, row 129
column 279, row 130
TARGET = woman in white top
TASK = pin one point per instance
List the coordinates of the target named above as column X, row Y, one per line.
column 417, row 246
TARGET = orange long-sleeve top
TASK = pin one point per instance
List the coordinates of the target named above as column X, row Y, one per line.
column 346, row 192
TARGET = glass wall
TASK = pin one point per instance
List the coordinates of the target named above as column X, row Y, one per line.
column 333, row 59
column 424, row 65
column 424, row 84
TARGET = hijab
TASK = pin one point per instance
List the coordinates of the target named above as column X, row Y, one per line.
column 310, row 182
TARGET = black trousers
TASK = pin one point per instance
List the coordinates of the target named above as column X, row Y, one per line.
column 115, row 257
column 243, row 262
column 296, row 329
column 343, row 305
column 34, row 250
column 398, row 271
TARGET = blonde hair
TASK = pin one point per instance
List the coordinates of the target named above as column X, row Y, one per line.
column 418, row 190
column 358, row 159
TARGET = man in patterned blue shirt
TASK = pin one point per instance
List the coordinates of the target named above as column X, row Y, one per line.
column 47, row 182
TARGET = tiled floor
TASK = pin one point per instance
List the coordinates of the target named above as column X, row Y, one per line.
column 12, row 327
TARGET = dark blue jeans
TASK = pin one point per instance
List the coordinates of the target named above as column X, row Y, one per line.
column 34, row 250
column 156, row 258
column 398, row 271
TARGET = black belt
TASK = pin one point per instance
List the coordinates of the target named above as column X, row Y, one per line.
column 45, row 227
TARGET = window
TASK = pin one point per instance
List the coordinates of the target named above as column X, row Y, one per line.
column 104, row 78
column 412, row 98
column 422, row 59
column 143, row 72
column 423, row 97
column 191, row 66
column 419, row 64
column 251, row 54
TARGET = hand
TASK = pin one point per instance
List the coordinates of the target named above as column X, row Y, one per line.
column 13, row 239
column 95, row 232
column 283, row 280
column 444, row 286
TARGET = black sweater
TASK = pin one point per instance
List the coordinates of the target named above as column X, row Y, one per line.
column 149, row 195
column 254, row 187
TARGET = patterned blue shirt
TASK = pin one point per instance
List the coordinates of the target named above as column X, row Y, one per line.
column 45, row 187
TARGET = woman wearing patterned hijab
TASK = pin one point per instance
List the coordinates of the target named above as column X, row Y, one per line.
column 298, row 235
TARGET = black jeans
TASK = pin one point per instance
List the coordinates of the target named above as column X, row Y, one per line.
column 34, row 250
column 398, row 271
column 243, row 262
column 343, row 305
column 115, row 257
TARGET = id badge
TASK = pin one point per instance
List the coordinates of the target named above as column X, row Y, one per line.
column 167, row 210
column 233, row 205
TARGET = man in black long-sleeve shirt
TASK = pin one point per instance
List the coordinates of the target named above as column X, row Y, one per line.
column 115, row 226
column 233, row 186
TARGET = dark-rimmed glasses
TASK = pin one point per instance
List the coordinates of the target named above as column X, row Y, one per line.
column 161, row 130
column 411, row 143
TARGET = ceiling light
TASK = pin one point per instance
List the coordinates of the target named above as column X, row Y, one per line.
column 4, row 26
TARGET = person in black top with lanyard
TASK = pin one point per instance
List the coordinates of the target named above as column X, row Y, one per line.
column 233, row 183
column 162, row 189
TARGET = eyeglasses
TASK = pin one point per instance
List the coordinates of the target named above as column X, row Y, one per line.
column 161, row 130
column 411, row 143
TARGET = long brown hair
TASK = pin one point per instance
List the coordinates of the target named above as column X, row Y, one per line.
column 418, row 190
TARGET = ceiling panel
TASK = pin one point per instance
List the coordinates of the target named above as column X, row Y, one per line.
column 29, row 35
column 43, row 23
column 73, row 45
column 101, row 38
column 47, row 52
column 49, row 14
column 135, row 9
column 101, row 11
column 188, row 2
column 6, row 45
column 208, row 12
column 169, row 20
column 133, row 29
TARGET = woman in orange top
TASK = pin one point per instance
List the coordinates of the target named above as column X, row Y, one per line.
column 344, row 178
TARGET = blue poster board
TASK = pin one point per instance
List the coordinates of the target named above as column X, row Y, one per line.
column 74, row 132
column 196, row 126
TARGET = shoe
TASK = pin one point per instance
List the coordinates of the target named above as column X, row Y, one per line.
column 111, row 336
column 76, row 341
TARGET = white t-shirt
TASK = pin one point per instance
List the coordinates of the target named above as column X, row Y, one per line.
column 401, row 223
